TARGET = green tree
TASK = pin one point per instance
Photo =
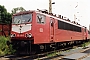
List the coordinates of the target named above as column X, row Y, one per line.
column 5, row 17
column 18, row 9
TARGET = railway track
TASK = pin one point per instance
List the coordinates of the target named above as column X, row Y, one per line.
column 58, row 54
column 65, row 57
column 14, row 57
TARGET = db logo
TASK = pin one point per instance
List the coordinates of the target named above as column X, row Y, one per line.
column 41, row 29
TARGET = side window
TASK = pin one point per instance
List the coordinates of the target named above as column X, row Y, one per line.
column 41, row 18
column 67, row 26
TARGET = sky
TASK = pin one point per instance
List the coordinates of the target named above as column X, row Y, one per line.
column 67, row 8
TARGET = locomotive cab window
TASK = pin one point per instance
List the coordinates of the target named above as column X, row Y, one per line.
column 41, row 19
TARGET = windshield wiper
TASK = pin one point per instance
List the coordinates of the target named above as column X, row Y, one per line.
column 29, row 19
column 19, row 21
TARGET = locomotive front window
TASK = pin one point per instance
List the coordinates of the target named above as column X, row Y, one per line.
column 16, row 20
column 22, row 19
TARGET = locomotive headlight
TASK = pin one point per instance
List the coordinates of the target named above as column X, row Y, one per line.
column 13, row 35
column 29, row 35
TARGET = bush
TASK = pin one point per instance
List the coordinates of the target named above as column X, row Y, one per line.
column 4, row 48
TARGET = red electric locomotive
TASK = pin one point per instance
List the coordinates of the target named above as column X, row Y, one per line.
column 39, row 30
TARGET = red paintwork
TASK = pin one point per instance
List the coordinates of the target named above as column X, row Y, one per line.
column 41, row 36
column 5, row 29
column 45, row 33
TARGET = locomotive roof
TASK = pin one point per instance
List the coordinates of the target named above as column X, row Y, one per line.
column 60, row 19
column 24, row 12
column 30, row 11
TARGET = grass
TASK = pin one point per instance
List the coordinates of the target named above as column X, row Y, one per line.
column 85, row 44
column 4, row 48
column 52, row 54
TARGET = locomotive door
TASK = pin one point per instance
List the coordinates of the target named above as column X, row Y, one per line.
column 52, row 29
